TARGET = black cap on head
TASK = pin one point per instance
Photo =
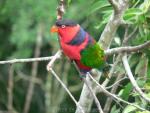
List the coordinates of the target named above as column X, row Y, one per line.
column 65, row 22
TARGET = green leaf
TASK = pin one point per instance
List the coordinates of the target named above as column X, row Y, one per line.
column 147, row 86
column 68, row 2
column 126, row 91
column 105, row 19
column 134, row 59
column 129, row 109
column 114, row 110
column 141, row 31
column 145, row 6
column 98, row 5
column 140, row 82
column 143, row 112
column 140, row 68
column 131, row 15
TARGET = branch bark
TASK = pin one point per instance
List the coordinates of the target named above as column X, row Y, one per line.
column 113, row 24
column 114, row 5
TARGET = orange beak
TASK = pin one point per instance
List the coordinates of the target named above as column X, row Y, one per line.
column 54, row 29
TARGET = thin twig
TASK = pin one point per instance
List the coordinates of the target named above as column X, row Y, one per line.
column 109, row 100
column 85, row 97
column 114, row 96
column 116, row 83
column 60, row 9
column 10, row 89
column 26, row 60
column 127, row 38
column 90, row 89
column 64, row 86
column 93, row 95
column 133, row 81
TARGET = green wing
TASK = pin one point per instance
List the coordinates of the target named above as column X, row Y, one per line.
column 93, row 56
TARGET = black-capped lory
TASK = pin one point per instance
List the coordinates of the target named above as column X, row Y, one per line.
column 79, row 46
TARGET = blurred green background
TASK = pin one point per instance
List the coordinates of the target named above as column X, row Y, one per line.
column 22, row 22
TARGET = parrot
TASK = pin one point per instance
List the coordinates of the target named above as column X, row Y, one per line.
column 79, row 45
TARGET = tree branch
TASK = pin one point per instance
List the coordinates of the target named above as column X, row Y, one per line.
column 114, row 5
column 88, row 85
column 64, row 86
column 127, row 38
column 111, row 27
column 118, row 80
column 26, row 60
column 109, row 100
column 56, row 56
column 93, row 95
column 127, row 49
column 60, row 9
column 10, row 89
column 114, row 96
column 133, row 81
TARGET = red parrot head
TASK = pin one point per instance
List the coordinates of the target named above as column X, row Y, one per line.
column 66, row 29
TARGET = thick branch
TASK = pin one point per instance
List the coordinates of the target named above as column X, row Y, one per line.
column 114, row 5
column 111, row 27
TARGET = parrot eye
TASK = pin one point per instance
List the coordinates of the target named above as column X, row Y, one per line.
column 63, row 26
